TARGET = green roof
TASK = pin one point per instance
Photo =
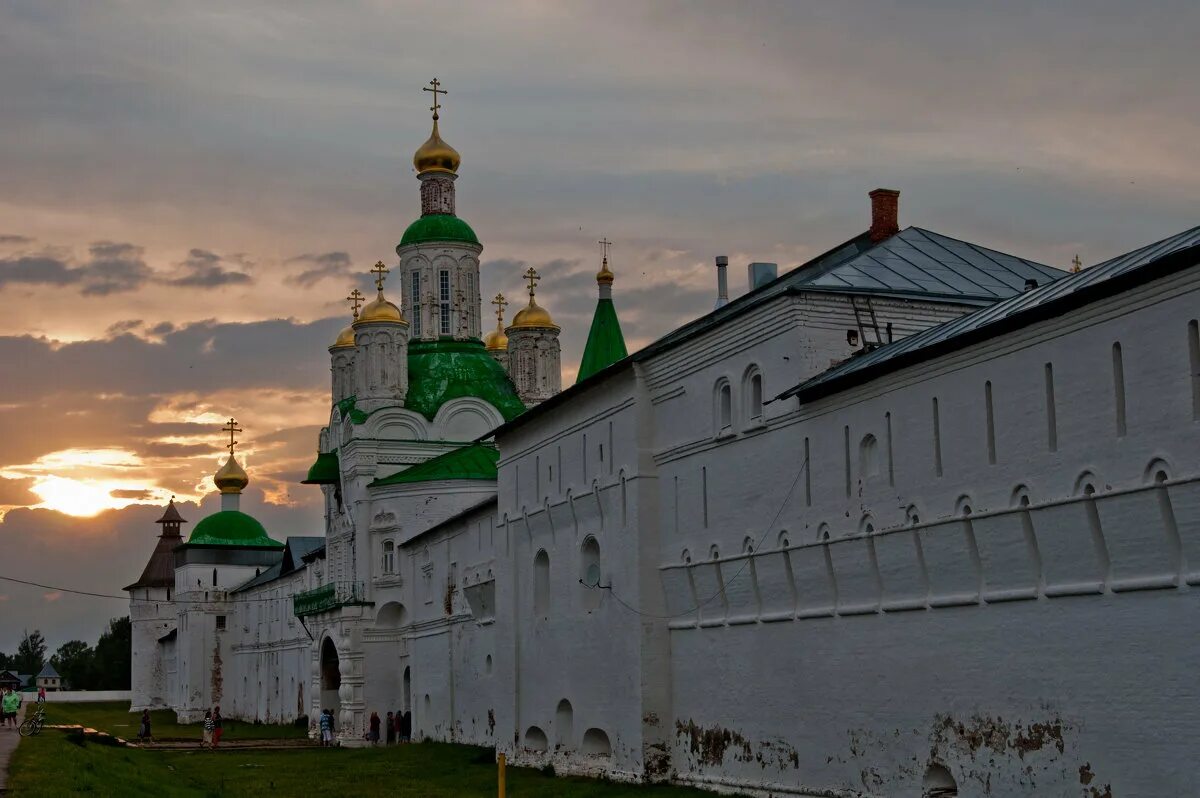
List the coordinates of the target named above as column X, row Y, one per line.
column 605, row 344
column 439, row 371
column 475, row 461
column 346, row 408
column 438, row 227
column 231, row 528
column 324, row 471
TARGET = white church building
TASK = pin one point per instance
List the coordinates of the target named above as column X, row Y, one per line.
column 916, row 517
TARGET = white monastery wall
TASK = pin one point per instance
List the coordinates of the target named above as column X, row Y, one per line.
column 151, row 616
column 270, row 678
column 574, row 662
column 433, row 650
column 1001, row 598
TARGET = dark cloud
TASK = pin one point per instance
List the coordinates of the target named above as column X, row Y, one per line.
column 112, row 268
column 11, row 239
column 200, row 357
column 17, row 492
column 124, row 327
column 136, row 495
column 204, row 269
column 37, row 270
column 315, row 268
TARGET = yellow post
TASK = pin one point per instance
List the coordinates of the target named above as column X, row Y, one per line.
column 500, row 774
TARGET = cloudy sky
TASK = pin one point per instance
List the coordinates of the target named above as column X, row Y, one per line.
column 187, row 190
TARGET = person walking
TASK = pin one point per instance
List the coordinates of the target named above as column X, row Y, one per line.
column 11, row 706
column 389, row 724
column 218, row 726
column 373, row 734
column 206, row 740
column 406, row 727
column 144, row 729
column 326, row 728
column 41, row 695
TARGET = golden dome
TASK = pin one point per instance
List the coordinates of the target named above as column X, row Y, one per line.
column 379, row 309
column 496, row 340
column 605, row 275
column 436, row 155
column 345, row 339
column 231, row 477
column 533, row 315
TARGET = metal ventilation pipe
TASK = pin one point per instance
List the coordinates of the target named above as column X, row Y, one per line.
column 722, row 281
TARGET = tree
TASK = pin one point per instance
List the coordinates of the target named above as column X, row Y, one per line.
column 31, row 654
column 74, row 663
column 113, row 656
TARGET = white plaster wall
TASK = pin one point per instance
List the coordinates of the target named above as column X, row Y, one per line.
column 1030, row 649
column 571, row 474
column 151, row 616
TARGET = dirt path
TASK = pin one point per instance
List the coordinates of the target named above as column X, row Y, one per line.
column 8, row 743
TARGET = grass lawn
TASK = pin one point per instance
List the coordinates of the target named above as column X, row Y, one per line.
column 53, row 765
column 115, row 718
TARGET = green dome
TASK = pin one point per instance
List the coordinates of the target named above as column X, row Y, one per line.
column 439, row 371
column 438, row 227
column 232, row 528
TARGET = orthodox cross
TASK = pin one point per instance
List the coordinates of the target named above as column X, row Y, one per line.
column 532, row 276
column 380, row 272
column 231, row 428
column 604, row 245
column 435, row 83
column 1076, row 263
column 355, row 299
column 501, row 303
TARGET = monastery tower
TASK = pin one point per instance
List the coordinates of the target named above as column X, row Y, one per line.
column 534, row 359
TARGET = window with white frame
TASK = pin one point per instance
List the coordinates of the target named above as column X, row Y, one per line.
column 723, row 407
column 389, row 557
column 415, row 304
column 753, row 390
column 444, row 300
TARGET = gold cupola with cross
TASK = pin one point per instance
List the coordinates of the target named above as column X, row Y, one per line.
column 345, row 338
column 231, row 478
column 496, row 340
column 533, row 315
column 435, row 155
column 534, row 354
column 379, row 308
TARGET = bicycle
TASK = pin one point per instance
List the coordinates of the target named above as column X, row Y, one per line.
column 33, row 726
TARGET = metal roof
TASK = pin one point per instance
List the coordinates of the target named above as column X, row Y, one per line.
column 917, row 261
column 295, row 549
column 1015, row 308
column 912, row 264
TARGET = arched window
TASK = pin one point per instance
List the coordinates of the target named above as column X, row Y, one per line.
column 564, row 722
column 389, row 557
column 541, row 584
column 595, row 742
column 589, row 573
column 868, row 457
column 938, row 783
column 535, row 739
column 723, row 407
column 214, row 577
column 752, row 394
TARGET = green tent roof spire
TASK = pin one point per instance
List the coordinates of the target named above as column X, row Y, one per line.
column 605, row 343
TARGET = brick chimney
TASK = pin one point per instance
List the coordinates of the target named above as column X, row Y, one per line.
column 885, row 214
